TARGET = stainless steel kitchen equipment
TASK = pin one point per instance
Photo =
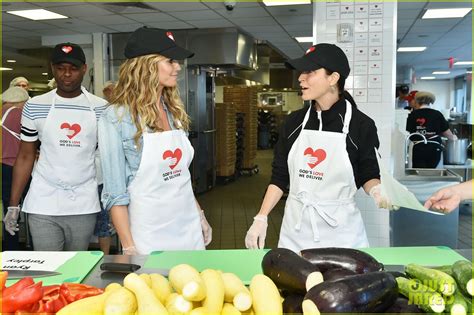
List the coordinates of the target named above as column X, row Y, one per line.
column 455, row 152
column 417, row 228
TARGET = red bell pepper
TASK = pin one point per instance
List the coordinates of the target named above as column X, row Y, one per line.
column 76, row 291
column 3, row 279
column 18, row 287
column 19, row 299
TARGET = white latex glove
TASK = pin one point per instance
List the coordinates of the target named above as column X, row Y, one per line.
column 382, row 201
column 255, row 237
column 10, row 220
column 131, row 250
column 206, row 229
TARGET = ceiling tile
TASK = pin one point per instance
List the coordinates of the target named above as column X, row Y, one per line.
column 254, row 21
column 211, row 23
column 238, row 5
column 178, row 6
column 131, row 7
column 171, row 25
column 243, row 13
column 125, row 27
column 151, row 17
column 291, row 10
column 57, row 31
column 307, row 28
column 267, row 29
column 94, row 29
column 449, row 5
column 12, row 6
column 71, row 23
column 56, row 3
column 196, row 15
column 408, row 14
column 300, row 19
column 418, row 5
column 107, row 20
column 31, row 25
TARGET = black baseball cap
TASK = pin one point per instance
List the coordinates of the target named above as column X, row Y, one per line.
column 69, row 53
column 327, row 56
column 404, row 89
column 146, row 41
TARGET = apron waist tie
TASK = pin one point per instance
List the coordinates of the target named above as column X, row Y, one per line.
column 70, row 189
column 309, row 205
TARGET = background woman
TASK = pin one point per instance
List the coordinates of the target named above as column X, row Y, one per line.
column 429, row 123
column 145, row 151
column 325, row 153
column 13, row 100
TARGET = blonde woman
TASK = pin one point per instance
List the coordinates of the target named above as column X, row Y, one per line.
column 146, row 154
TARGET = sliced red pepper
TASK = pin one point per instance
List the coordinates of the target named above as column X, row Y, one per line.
column 3, row 279
column 18, row 300
column 76, row 291
column 18, row 287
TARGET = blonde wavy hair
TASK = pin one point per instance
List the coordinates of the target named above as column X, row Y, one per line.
column 137, row 90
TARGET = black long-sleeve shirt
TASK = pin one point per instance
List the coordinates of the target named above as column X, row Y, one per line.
column 360, row 143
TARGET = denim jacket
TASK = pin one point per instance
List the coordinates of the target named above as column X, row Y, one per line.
column 119, row 155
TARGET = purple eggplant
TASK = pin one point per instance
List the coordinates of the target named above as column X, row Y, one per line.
column 289, row 271
column 347, row 258
column 402, row 305
column 337, row 273
column 292, row 304
column 363, row 293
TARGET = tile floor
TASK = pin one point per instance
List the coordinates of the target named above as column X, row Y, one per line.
column 230, row 209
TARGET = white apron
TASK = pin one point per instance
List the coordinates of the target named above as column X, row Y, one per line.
column 320, row 210
column 163, row 211
column 64, row 177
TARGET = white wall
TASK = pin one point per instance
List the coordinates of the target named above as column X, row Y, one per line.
column 442, row 89
column 372, row 55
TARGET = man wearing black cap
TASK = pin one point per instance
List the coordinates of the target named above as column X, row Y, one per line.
column 62, row 200
column 325, row 153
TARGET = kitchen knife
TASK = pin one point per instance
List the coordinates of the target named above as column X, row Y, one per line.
column 19, row 274
column 129, row 268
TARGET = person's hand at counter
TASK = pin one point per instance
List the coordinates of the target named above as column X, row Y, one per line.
column 206, row 229
column 11, row 220
column 375, row 190
column 448, row 199
column 255, row 237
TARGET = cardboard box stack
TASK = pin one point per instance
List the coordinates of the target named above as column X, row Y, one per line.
column 245, row 100
column 226, row 143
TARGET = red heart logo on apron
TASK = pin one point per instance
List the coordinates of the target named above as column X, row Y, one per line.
column 421, row 121
column 177, row 154
column 66, row 49
column 72, row 130
column 320, row 154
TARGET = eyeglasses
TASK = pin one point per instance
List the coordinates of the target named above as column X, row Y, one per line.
column 22, row 85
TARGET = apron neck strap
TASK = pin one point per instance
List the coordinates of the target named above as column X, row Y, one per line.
column 347, row 118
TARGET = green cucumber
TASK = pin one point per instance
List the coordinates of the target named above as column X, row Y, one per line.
column 435, row 279
column 462, row 271
column 469, row 303
column 456, row 304
column 419, row 294
column 445, row 268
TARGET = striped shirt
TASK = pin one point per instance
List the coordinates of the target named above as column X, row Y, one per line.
column 37, row 109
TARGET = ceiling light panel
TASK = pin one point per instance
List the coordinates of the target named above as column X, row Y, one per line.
column 308, row 39
column 276, row 3
column 411, row 49
column 446, row 13
column 441, row 72
column 37, row 15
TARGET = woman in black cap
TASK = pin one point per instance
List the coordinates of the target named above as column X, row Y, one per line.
column 324, row 154
column 146, row 154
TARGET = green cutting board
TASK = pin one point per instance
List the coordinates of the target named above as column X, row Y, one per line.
column 73, row 270
column 245, row 263
column 423, row 255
